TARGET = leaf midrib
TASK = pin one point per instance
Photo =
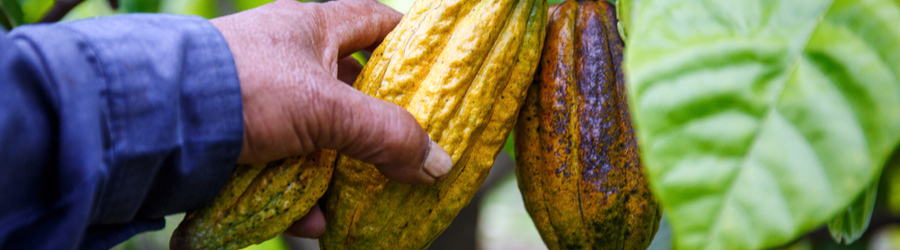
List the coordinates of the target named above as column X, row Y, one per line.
column 729, row 195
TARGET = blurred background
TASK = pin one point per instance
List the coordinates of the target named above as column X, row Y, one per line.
column 496, row 218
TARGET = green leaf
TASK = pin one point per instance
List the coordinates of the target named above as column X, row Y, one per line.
column 510, row 145
column 623, row 11
column 90, row 9
column 400, row 5
column 204, row 8
column 761, row 120
column 802, row 244
column 276, row 243
column 34, row 10
column 10, row 14
column 242, row 5
column 360, row 57
column 139, row 6
column 850, row 224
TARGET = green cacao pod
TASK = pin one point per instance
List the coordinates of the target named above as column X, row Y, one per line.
column 578, row 165
column 257, row 203
column 462, row 68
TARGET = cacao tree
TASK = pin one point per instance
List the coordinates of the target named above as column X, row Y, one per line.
column 758, row 121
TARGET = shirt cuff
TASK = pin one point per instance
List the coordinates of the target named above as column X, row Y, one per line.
column 174, row 101
column 169, row 105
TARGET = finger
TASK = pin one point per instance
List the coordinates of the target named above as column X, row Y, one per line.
column 348, row 69
column 354, row 25
column 378, row 132
column 312, row 225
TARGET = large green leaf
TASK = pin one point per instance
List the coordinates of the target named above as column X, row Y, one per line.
column 761, row 120
column 850, row 224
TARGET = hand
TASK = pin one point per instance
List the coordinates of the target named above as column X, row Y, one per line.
column 291, row 59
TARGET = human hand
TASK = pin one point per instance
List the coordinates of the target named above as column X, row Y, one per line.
column 292, row 61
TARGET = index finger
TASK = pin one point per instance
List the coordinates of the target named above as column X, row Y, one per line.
column 354, row 25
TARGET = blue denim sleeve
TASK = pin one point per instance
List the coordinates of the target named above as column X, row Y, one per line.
column 109, row 124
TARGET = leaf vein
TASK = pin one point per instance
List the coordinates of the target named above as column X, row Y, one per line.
column 793, row 69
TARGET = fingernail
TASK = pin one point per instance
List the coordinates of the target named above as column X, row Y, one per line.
column 438, row 163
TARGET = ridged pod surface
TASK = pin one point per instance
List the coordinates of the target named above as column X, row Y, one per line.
column 578, row 165
column 257, row 203
column 462, row 68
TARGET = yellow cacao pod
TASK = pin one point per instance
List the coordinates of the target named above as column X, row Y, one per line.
column 462, row 68
column 578, row 165
column 257, row 203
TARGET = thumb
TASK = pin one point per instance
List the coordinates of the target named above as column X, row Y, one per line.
column 380, row 133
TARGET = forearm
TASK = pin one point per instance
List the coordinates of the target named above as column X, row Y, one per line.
column 117, row 122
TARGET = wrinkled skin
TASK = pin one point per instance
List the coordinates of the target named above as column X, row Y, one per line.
column 293, row 66
column 462, row 69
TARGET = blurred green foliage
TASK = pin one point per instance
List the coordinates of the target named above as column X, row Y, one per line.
column 204, row 8
column 505, row 197
column 886, row 239
column 10, row 14
column 143, row 6
column 34, row 10
column 509, row 147
column 503, row 222
column 399, row 5
column 242, row 5
column 890, row 184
